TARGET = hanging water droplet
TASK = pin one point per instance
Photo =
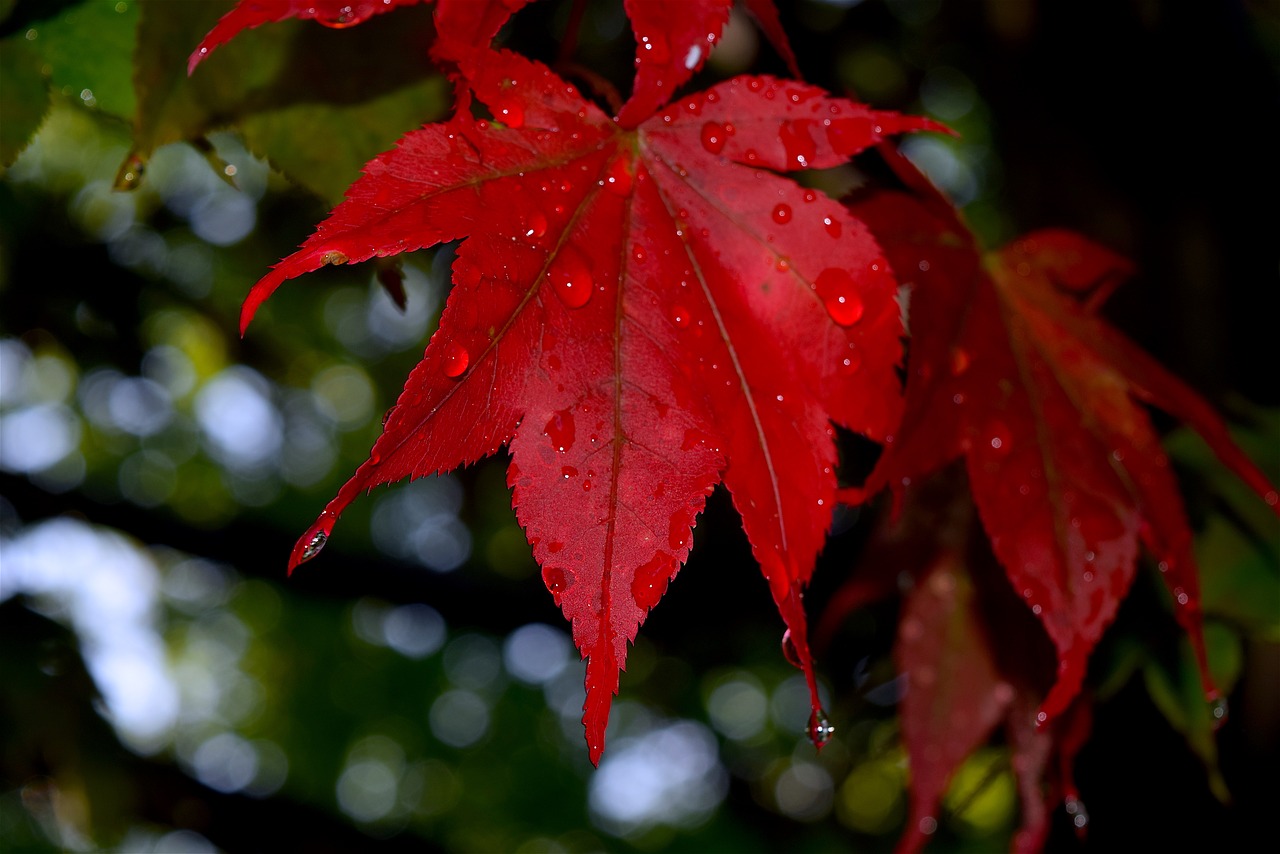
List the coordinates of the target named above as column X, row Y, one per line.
column 348, row 16
column 838, row 293
column 820, row 728
column 789, row 651
column 782, row 214
column 456, row 360
column 713, row 137
column 314, row 546
column 1218, row 710
column 571, row 278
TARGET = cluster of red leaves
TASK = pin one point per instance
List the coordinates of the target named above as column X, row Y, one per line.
column 647, row 305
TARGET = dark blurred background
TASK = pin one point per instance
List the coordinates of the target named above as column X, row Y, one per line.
column 164, row 687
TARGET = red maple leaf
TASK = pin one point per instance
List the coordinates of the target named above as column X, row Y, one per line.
column 639, row 314
column 1010, row 368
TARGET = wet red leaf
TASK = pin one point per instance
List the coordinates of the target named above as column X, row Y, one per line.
column 1009, row 369
column 635, row 318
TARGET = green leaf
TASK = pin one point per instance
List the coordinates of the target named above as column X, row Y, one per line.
column 26, row 96
column 1178, row 693
column 86, row 52
column 305, row 96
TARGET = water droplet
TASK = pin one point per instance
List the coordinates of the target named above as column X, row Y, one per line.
column 654, row 48
column 348, row 16
column 959, row 361
column 314, row 546
column 838, row 293
column 797, row 145
column 851, row 361
column 557, row 580
column 834, row 228
column 650, row 581
column 509, row 112
column 571, row 278
column 568, row 472
column 130, row 174
column 928, row 825
column 1218, row 710
column 680, row 316
column 618, row 179
column 820, row 728
column 1000, row 440
column 713, row 137
column 789, row 651
column 456, row 360
column 560, row 429
column 534, row 226
column 782, row 214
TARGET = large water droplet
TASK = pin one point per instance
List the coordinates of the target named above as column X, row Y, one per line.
column 797, row 145
column 456, row 360
column 534, row 226
column 650, row 581
column 560, row 429
column 618, row 178
column 820, row 728
column 713, row 137
column 510, row 112
column 557, row 580
column 314, row 546
column 839, row 294
column 782, row 214
column 348, row 16
column 789, row 651
column 571, row 278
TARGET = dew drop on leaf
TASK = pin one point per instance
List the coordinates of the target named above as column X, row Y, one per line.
column 820, row 728
column 650, row 581
column 557, row 580
column 456, row 360
column 680, row 316
column 782, row 214
column 315, row 546
column 654, row 48
column 560, row 429
column 534, row 225
column 840, row 296
column 833, row 226
column 571, row 278
column 797, row 145
column 618, row 178
column 1000, row 440
column 348, row 16
column 713, row 137
column 510, row 113
column 789, row 651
